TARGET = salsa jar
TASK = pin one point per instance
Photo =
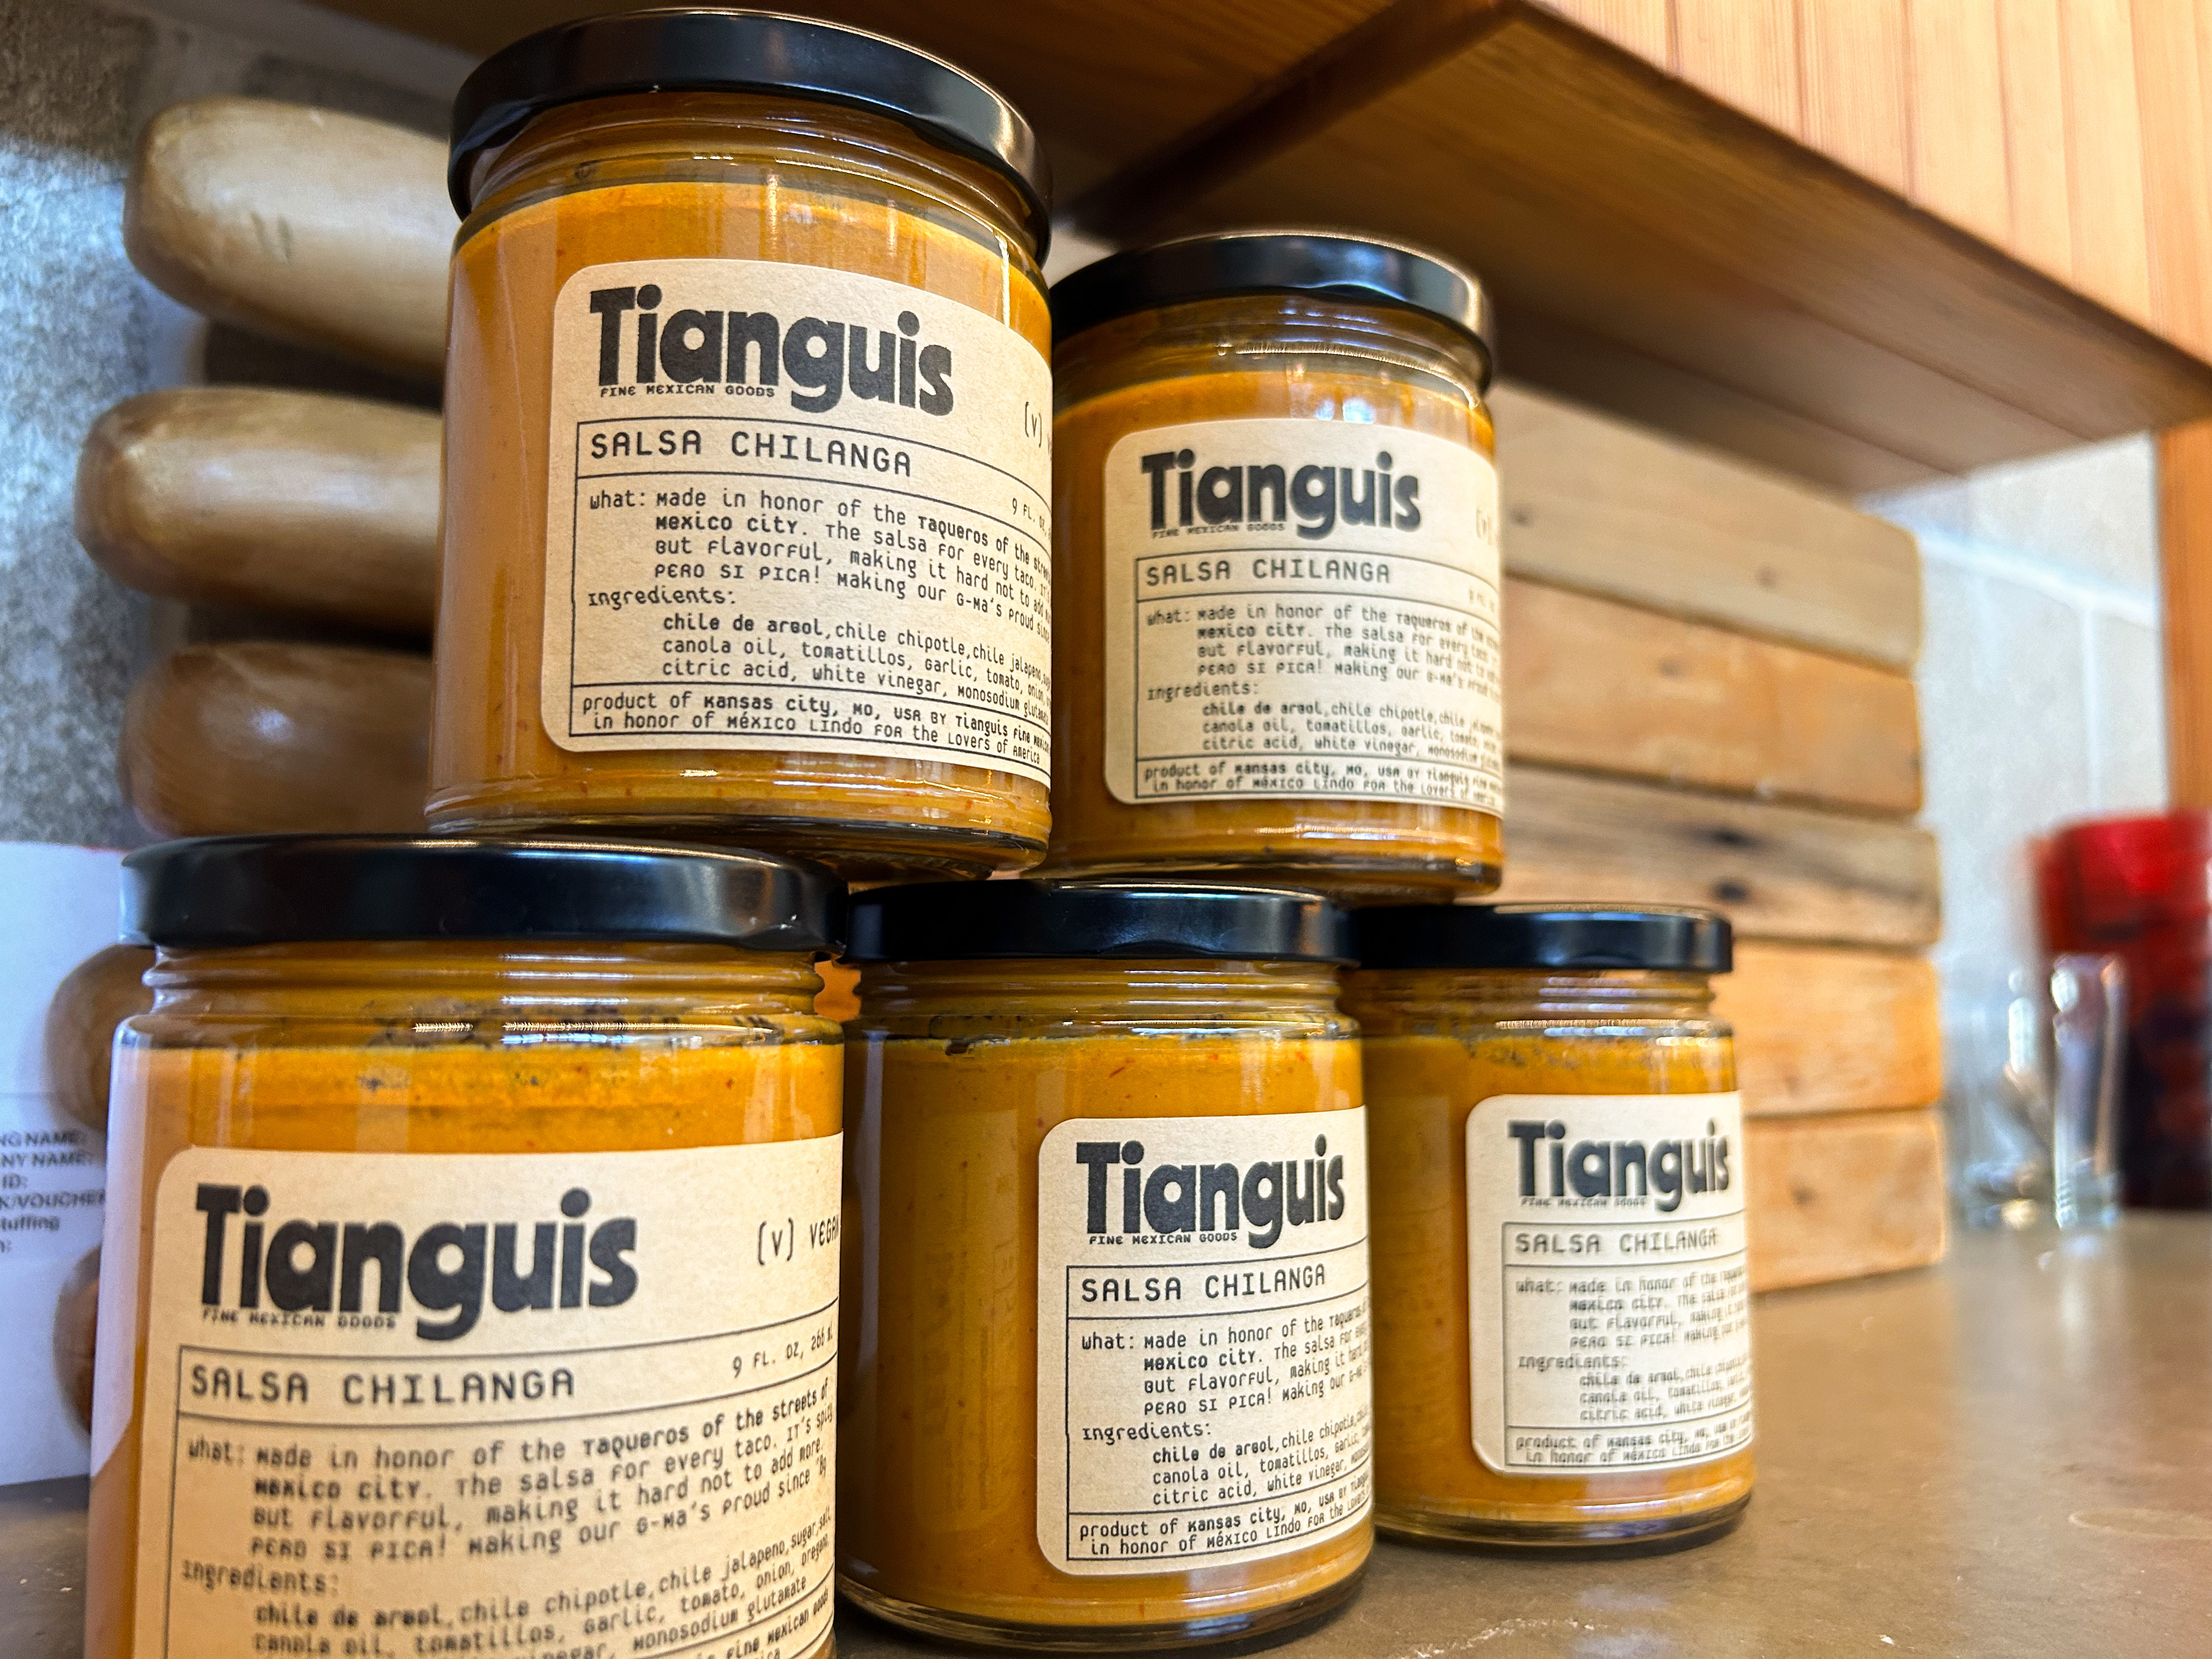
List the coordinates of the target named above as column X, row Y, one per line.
column 804, row 603
column 1562, row 1310
column 466, row 1202
column 1275, row 517
column 1108, row 1167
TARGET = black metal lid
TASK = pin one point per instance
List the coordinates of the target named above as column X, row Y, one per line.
column 714, row 49
column 1328, row 265
column 229, row 890
column 1542, row 936
column 973, row 922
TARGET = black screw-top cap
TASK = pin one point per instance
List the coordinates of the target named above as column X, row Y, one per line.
column 232, row 890
column 983, row 921
column 713, row 49
column 1327, row 264
column 1566, row 936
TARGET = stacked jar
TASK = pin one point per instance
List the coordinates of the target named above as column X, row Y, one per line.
column 479, row 1196
column 485, row 1195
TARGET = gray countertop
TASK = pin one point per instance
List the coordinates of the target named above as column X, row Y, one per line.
column 2008, row 1456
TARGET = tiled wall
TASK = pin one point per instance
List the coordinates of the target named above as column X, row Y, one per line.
column 2040, row 680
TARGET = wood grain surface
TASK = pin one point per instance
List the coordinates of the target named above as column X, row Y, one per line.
column 1592, row 190
column 1612, row 687
column 2032, row 67
column 2185, row 535
column 1831, row 1027
column 1102, row 85
column 329, row 230
column 287, row 501
column 93, row 997
column 1845, row 1196
column 260, row 736
column 1598, row 503
column 1785, row 872
column 2105, row 155
column 1853, row 87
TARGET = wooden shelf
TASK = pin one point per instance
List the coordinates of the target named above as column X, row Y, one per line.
column 1654, row 252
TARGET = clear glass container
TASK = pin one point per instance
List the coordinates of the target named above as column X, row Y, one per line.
column 1014, row 1452
column 746, row 455
column 1251, row 684
column 404, row 1238
column 1442, row 1045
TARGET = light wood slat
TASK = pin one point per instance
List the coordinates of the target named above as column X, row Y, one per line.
column 2105, row 159
column 2185, row 532
column 1831, row 1027
column 1786, row 872
column 1642, row 27
column 1598, row 504
column 1744, row 52
column 1607, row 687
column 2170, row 62
column 2034, row 84
column 1843, row 1197
column 1854, row 86
column 1959, row 167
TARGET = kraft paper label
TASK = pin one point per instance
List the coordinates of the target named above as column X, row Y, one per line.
column 1202, row 1338
column 1302, row 608
column 798, row 509
column 555, row 1403
column 1608, row 1294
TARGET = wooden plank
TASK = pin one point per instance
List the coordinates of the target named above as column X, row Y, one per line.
column 1613, row 508
column 1959, row 166
column 1103, row 84
column 2104, row 155
column 1642, row 27
column 1854, row 87
column 1663, row 396
column 1744, row 52
column 2185, row 534
column 1833, row 1029
column 1607, row 687
column 1786, row 872
column 1843, row 1197
column 1592, row 191
column 2177, row 167
column 2042, row 229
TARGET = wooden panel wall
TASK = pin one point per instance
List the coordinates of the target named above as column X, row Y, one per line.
column 2072, row 133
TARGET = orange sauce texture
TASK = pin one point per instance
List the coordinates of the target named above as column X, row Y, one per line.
column 360, row 1083
column 1165, row 368
column 937, row 1440
column 686, row 176
column 1422, row 1080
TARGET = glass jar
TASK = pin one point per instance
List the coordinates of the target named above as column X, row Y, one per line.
column 1107, row 1384
column 1562, row 1316
column 469, row 1275
column 747, row 455
column 1276, row 520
